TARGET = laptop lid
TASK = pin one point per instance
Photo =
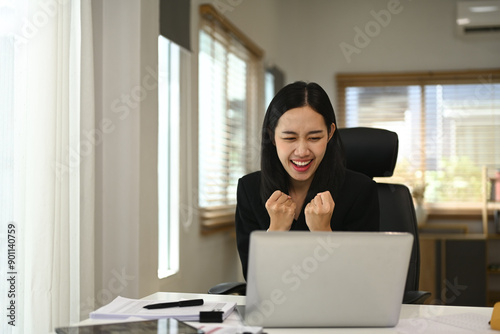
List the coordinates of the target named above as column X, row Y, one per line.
column 325, row 279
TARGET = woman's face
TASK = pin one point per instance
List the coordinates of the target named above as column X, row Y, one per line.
column 301, row 137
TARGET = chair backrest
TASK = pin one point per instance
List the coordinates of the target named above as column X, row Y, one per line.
column 374, row 152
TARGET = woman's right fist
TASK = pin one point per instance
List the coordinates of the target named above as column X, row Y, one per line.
column 281, row 209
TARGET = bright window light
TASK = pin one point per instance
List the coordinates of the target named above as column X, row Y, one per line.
column 168, row 157
column 269, row 88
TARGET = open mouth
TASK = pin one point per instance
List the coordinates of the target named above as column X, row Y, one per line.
column 301, row 166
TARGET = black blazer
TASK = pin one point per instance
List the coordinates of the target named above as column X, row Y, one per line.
column 356, row 209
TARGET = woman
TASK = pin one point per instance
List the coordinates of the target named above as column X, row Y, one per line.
column 303, row 183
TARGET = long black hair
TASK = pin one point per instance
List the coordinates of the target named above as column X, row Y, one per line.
column 330, row 172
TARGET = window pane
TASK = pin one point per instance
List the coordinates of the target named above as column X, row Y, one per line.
column 462, row 130
column 230, row 73
column 223, row 109
column 447, row 133
column 393, row 108
column 269, row 87
column 168, row 156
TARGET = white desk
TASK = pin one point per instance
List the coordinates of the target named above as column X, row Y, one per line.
column 413, row 318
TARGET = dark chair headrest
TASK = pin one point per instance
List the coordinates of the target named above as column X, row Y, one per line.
column 370, row 151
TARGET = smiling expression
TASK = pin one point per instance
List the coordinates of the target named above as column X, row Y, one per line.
column 301, row 137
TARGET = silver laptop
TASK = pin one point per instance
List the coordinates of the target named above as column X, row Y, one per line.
column 325, row 279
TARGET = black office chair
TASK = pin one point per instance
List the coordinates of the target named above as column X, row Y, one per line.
column 374, row 152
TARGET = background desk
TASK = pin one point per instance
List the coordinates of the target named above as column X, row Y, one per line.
column 413, row 318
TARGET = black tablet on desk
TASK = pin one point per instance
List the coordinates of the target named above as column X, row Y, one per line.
column 161, row 326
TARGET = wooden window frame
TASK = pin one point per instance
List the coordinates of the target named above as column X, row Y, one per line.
column 344, row 80
column 221, row 218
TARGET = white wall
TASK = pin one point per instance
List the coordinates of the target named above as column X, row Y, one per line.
column 116, row 40
column 305, row 37
column 117, row 157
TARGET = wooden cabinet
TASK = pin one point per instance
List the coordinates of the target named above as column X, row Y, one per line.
column 491, row 201
column 493, row 269
column 463, row 268
column 452, row 268
column 491, row 229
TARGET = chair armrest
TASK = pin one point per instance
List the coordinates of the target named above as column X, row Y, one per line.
column 415, row 297
column 229, row 288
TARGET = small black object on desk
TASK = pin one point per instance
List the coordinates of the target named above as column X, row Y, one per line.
column 211, row 316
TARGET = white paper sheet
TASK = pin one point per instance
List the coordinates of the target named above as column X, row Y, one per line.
column 122, row 308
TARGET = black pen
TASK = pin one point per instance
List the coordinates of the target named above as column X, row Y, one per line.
column 182, row 303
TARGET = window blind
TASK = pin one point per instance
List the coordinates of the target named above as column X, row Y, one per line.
column 229, row 75
column 448, row 124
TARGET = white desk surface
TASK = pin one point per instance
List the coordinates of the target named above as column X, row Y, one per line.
column 413, row 318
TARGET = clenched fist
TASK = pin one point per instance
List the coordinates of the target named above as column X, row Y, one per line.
column 281, row 209
column 319, row 212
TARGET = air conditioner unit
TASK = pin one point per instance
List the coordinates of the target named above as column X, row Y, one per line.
column 475, row 17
